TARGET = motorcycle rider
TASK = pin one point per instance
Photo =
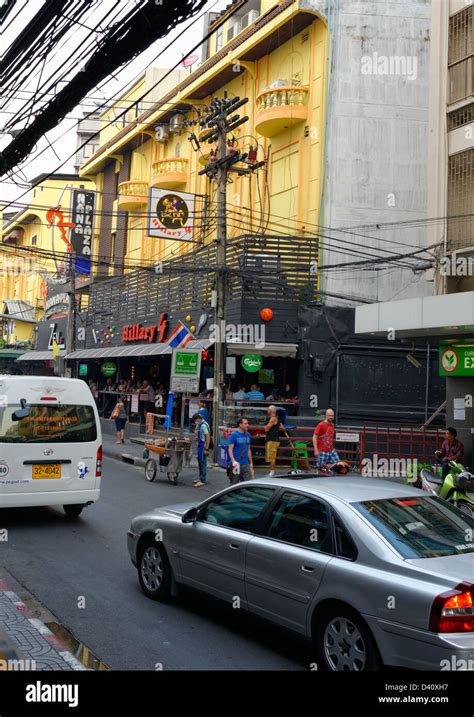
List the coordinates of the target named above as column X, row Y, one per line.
column 451, row 450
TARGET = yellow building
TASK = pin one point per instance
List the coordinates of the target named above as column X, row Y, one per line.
column 29, row 237
column 274, row 54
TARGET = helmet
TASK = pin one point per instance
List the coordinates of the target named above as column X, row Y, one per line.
column 341, row 467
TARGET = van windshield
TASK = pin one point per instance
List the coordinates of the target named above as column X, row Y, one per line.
column 63, row 423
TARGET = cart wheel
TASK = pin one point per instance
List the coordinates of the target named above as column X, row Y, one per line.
column 173, row 478
column 150, row 469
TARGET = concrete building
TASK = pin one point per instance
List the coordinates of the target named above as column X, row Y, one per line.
column 445, row 321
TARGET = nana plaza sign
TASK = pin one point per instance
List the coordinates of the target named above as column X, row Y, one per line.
column 155, row 332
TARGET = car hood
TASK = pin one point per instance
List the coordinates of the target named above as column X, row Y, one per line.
column 176, row 510
column 459, row 568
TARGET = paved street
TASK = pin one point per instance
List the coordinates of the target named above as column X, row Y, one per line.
column 61, row 561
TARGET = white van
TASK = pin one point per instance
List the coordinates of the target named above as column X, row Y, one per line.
column 50, row 443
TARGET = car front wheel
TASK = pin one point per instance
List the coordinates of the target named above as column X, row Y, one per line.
column 154, row 570
column 344, row 643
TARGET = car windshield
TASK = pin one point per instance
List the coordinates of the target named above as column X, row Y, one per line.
column 425, row 527
column 62, row 423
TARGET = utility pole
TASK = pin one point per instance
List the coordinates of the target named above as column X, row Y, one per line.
column 220, row 125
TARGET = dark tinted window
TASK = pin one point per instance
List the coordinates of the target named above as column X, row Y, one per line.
column 238, row 509
column 48, row 424
column 345, row 547
column 301, row 520
column 421, row 527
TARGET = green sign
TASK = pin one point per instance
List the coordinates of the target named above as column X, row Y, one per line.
column 456, row 360
column 252, row 362
column 186, row 363
column 109, row 369
column 185, row 371
column 83, row 369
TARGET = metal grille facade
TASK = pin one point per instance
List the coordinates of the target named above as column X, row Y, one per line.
column 460, row 55
column 461, row 200
column 461, row 117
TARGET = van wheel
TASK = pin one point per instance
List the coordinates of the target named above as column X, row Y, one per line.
column 72, row 511
column 344, row 643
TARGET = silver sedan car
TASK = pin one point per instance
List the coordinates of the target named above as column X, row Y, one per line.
column 373, row 572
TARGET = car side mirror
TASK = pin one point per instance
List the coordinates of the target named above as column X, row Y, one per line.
column 22, row 412
column 190, row 516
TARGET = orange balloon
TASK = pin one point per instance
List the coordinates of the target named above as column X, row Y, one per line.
column 266, row 314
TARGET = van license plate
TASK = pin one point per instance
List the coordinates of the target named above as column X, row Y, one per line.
column 49, row 470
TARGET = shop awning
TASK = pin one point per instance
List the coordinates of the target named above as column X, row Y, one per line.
column 283, row 350
column 39, row 355
column 141, row 350
column 11, row 353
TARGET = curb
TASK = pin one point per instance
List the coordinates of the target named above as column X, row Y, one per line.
column 44, row 631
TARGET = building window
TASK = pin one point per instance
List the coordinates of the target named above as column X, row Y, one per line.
column 116, row 185
column 461, row 55
column 460, row 199
column 138, row 108
column 34, row 240
column 177, row 150
column 219, row 38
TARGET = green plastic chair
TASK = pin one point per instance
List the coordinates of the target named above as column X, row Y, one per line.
column 301, row 451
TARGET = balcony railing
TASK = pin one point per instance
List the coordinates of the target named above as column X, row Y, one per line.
column 170, row 173
column 132, row 195
column 279, row 108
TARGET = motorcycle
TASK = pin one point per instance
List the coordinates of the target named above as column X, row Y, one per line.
column 454, row 487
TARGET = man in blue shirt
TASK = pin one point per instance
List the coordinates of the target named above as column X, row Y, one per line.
column 254, row 394
column 240, row 452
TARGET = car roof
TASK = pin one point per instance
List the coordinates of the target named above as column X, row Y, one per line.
column 351, row 489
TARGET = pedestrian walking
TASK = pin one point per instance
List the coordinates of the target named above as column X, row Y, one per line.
column 119, row 415
column 323, row 442
column 272, row 439
column 240, row 453
column 204, row 441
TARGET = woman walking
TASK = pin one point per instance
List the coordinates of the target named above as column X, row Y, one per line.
column 119, row 414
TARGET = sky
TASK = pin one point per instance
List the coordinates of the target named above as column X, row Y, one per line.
column 63, row 137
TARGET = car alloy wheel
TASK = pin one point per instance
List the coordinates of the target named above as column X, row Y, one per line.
column 344, row 646
column 154, row 570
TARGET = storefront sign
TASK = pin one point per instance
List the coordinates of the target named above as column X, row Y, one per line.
column 171, row 214
column 137, row 332
column 81, row 233
column 347, row 437
column 185, row 370
column 56, row 335
column 252, row 362
column 456, row 360
column 109, row 368
column 57, row 304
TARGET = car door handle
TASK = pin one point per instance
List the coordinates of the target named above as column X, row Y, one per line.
column 307, row 569
column 234, row 546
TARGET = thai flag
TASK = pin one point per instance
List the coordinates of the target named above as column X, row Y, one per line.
column 179, row 337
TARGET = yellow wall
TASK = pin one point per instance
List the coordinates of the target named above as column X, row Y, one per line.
column 20, row 277
column 294, row 172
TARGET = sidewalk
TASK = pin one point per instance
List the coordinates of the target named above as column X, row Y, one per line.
column 26, row 643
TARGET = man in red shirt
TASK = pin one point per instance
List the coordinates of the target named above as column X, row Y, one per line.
column 323, row 441
column 451, row 450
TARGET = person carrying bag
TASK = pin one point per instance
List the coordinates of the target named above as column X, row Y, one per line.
column 240, row 452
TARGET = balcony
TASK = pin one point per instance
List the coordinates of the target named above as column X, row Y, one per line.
column 279, row 108
column 169, row 173
column 132, row 196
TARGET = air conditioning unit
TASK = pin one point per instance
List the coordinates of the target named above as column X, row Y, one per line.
column 233, row 30
column 162, row 134
column 249, row 18
column 176, row 123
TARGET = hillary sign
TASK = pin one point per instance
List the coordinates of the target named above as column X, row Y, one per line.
column 171, row 214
